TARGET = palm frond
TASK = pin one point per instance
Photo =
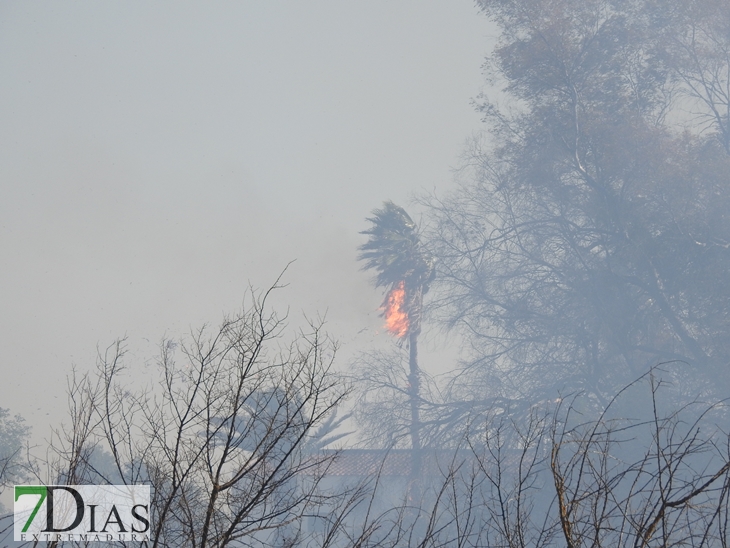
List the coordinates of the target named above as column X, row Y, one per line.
column 394, row 250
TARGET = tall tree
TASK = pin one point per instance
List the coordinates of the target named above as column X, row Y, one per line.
column 589, row 237
column 694, row 45
column 403, row 266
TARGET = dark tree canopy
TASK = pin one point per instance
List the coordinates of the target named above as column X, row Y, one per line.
column 589, row 238
column 394, row 250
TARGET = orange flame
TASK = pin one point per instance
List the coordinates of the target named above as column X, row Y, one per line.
column 396, row 317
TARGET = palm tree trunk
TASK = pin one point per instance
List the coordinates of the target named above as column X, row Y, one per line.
column 414, row 393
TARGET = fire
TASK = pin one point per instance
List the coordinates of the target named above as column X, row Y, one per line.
column 396, row 317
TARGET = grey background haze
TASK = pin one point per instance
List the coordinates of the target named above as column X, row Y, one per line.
column 156, row 157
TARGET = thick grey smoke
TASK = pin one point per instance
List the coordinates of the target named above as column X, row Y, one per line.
column 155, row 158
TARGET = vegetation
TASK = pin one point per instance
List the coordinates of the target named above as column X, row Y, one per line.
column 582, row 260
column 588, row 239
column 394, row 250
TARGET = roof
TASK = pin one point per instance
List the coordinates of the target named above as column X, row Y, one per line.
column 393, row 462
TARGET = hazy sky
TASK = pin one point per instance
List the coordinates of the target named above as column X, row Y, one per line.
column 155, row 157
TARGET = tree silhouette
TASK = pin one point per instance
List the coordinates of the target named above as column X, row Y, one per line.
column 395, row 252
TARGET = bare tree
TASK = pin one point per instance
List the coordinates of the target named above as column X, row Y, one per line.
column 228, row 437
column 233, row 463
column 695, row 46
column 644, row 473
column 660, row 481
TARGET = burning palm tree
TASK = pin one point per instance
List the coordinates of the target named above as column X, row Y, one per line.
column 403, row 266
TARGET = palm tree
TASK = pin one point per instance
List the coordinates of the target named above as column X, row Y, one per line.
column 395, row 252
